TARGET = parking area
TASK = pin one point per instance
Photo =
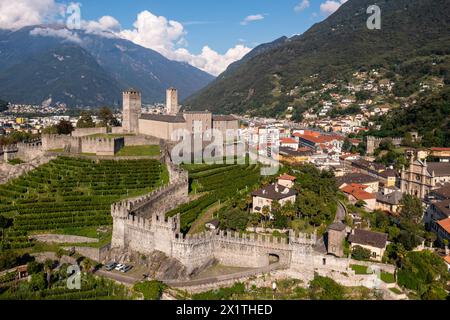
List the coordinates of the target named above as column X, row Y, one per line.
column 124, row 273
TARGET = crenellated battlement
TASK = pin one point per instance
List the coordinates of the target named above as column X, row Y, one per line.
column 373, row 143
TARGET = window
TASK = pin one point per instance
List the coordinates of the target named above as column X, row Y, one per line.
column 324, row 261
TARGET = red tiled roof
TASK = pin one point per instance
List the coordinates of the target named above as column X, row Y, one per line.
column 440, row 149
column 357, row 191
column 287, row 177
column 307, row 133
column 445, row 224
column 447, row 259
column 288, row 141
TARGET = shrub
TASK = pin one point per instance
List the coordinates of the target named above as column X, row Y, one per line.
column 423, row 272
column 360, row 253
column 221, row 294
column 322, row 288
column 152, row 290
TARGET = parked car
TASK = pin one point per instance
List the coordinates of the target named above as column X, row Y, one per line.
column 110, row 266
column 125, row 269
column 119, row 267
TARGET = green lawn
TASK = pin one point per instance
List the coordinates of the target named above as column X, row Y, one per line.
column 359, row 269
column 387, row 277
column 139, row 151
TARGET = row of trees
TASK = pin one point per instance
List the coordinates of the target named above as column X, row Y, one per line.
column 65, row 127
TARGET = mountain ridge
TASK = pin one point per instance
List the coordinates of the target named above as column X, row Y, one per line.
column 333, row 48
column 114, row 64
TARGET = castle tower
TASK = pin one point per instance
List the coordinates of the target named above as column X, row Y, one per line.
column 172, row 101
column 132, row 108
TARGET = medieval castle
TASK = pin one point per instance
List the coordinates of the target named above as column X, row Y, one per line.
column 141, row 226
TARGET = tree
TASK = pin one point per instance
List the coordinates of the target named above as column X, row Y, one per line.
column 280, row 221
column 60, row 253
column 360, row 253
column 289, row 210
column 347, row 146
column 425, row 272
column 4, row 224
column 48, row 267
column 312, row 207
column 254, row 219
column 265, row 212
column 64, row 127
column 37, row 282
column 85, row 120
column 34, row 267
column 87, row 265
column 234, row 219
column 7, row 260
column 322, row 288
column 107, row 117
column 411, row 209
column 276, row 207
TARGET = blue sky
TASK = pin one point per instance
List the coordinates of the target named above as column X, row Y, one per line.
column 215, row 23
column 208, row 34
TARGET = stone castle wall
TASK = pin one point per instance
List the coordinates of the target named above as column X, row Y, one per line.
column 141, row 140
column 29, row 151
column 373, row 143
column 99, row 146
column 83, row 132
column 54, row 142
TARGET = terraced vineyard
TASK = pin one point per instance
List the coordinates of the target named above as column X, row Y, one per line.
column 73, row 193
column 91, row 289
column 219, row 183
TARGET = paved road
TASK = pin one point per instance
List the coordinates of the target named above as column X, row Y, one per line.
column 117, row 277
column 341, row 212
column 227, row 277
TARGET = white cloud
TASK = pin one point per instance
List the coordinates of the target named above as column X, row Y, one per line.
column 302, row 5
column 106, row 26
column 155, row 32
column 209, row 60
column 330, row 6
column 168, row 38
column 20, row 13
column 58, row 33
column 251, row 18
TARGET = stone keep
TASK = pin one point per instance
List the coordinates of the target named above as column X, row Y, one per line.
column 172, row 101
column 132, row 108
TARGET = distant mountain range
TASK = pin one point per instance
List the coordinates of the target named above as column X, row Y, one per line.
column 91, row 71
column 414, row 37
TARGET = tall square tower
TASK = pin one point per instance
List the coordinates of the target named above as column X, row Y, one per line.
column 172, row 101
column 132, row 109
